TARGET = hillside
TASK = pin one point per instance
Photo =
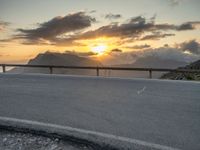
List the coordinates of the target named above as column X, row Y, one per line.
column 184, row 76
column 64, row 59
column 148, row 62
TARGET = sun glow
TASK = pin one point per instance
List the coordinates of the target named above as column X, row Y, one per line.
column 99, row 49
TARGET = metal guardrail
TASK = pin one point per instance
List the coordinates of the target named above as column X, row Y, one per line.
column 98, row 68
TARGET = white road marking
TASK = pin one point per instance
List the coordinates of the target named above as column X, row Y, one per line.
column 17, row 122
column 141, row 91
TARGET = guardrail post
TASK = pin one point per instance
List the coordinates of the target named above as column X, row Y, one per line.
column 97, row 71
column 51, row 70
column 4, row 68
column 150, row 73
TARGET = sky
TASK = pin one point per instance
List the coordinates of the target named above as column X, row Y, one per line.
column 104, row 29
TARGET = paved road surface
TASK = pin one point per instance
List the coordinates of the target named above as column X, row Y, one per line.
column 159, row 112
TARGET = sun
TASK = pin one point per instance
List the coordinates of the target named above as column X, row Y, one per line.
column 99, row 49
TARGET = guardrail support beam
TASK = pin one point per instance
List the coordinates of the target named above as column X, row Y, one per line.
column 4, row 68
column 150, row 74
column 51, row 70
column 97, row 71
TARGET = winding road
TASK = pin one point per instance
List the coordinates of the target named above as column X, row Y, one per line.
column 152, row 113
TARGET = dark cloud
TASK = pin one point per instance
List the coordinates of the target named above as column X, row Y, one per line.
column 133, row 29
column 84, row 54
column 68, row 30
column 139, row 46
column 116, row 50
column 56, row 27
column 188, row 25
column 87, row 54
column 113, row 16
column 156, row 36
column 192, row 46
column 49, row 31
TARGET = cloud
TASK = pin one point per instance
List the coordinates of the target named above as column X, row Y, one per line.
column 57, row 28
column 139, row 47
column 134, row 29
column 191, row 46
column 3, row 25
column 84, row 54
column 189, row 25
column 163, row 53
column 186, row 26
column 169, row 53
column 70, row 30
column 116, row 50
column 166, row 52
column 156, row 36
column 112, row 16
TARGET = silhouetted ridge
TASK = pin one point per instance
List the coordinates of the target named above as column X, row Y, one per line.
column 184, row 76
column 59, row 59
column 64, row 59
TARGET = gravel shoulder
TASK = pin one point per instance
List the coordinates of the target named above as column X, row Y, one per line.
column 10, row 140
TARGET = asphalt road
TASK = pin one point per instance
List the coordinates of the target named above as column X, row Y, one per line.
column 154, row 111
